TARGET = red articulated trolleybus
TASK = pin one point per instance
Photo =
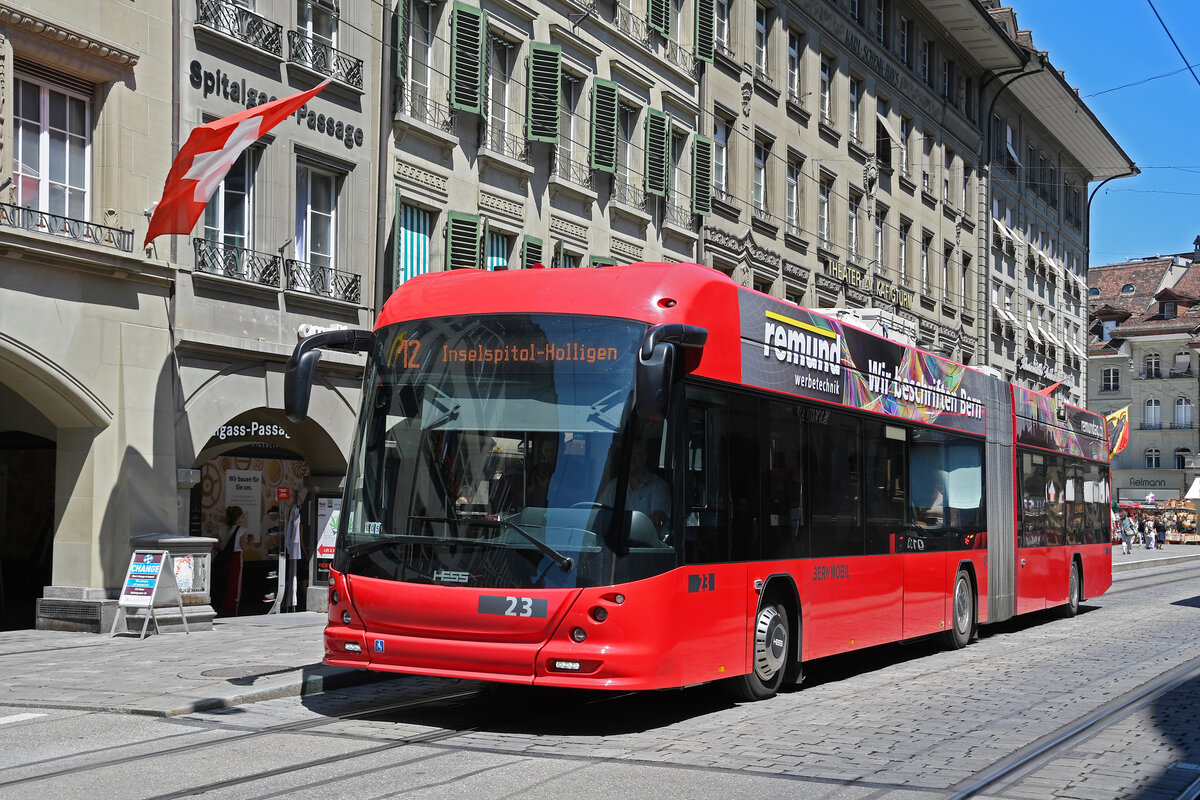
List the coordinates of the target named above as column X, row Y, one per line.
column 649, row 476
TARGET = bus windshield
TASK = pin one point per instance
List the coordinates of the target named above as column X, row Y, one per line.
column 488, row 453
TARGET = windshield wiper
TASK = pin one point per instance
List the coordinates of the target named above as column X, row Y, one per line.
column 359, row 550
column 565, row 563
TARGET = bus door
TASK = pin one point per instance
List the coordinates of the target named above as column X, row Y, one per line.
column 923, row 545
column 1040, row 530
column 720, row 524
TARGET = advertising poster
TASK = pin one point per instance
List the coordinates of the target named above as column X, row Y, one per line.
column 243, row 488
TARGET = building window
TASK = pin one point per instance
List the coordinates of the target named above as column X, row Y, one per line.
column 420, row 45
column 902, row 252
column 905, row 133
column 1110, row 379
column 721, row 131
column 826, row 80
column 880, row 217
column 498, row 252
column 762, row 155
column 855, row 100
column 947, row 259
column 721, row 31
column 1153, row 366
column 881, row 15
column 227, row 216
column 412, row 246
column 926, row 241
column 923, row 66
column 500, row 64
column 823, row 221
column 50, row 165
column 1152, row 418
column 1181, row 457
column 316, row 208
column 905, row 30
column 1168, row 309
column 854, row 204
column 317, row 19
column 1152, row 458
column 1183, row 413
column 795, row 54
column 795, row 197
column 762, row 32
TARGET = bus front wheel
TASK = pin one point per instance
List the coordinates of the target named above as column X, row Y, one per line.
column 962, row 621
column 772, row 642
column 1074, row 593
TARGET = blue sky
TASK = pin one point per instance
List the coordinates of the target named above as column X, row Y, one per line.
column 1105, row 44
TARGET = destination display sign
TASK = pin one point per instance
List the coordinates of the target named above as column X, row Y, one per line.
column 789, row 349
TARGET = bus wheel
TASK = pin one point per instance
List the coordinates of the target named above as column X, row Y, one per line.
column 772, row 633
column 1074, row 590
column 963, row 611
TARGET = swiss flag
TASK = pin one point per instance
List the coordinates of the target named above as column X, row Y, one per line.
column 207, row 155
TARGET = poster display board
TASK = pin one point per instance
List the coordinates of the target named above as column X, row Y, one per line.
column 148, row 586
column 328, row 510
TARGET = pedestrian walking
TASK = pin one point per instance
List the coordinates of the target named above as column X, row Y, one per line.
column 1160, row 532
column 1127, row 531
column 1148, row 535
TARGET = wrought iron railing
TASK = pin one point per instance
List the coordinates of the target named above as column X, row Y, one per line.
column 681, row 216
column 498, row 140
column 325, row 281
column 419, row 106
column 632, row 25
column 627, row 193
column 681, row 57
column 242, row 24
column 31, row 219
column 576, row 172
column 325, row 59
column 218, row 258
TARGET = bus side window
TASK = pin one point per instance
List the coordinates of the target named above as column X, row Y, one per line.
column 706, row 524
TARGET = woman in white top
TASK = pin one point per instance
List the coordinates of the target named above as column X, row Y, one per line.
column 234, row 543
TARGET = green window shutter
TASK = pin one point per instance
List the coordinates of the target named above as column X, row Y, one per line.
column 702, row 174
column 706, row 30
column 658, row 153
column 545, row 83
column 403, row 20
column 396, row 234
column 602, row 261
column 462, row 241
column 604, row 125
column 468, row 40
column 531, row 252
column 658, row 16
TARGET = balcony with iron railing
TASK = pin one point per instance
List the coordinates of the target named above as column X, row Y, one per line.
column 681, row 57
column 241, row 24
column 497, row 139
column 323, row 58
column 30, row 219
column 631, row 25
column 323, row 281
column 575, row 172
column 229, row 261
column 419, row 106
column 681, row 216
column 629, row 193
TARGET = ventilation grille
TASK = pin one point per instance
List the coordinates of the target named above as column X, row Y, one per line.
column 69, row 610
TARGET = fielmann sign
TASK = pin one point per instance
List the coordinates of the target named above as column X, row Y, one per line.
column 788, row 349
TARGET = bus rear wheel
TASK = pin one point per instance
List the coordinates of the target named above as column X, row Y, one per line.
column 772, row 642
column 1074, row 593
column 962, row 622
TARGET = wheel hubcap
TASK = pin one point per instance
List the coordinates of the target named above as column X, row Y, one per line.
column 770, row 643
column 962, row 606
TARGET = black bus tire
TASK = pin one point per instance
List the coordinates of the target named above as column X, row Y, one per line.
column 1074, row 592
column 772, row 644
column 962, row 613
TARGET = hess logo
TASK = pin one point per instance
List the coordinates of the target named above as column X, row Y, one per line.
column 451, row 576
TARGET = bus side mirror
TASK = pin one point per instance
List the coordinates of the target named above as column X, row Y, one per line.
column 302, row 366
column 656, row 366
column 654, row 377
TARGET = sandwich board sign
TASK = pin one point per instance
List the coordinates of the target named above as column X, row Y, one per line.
column 149, row 584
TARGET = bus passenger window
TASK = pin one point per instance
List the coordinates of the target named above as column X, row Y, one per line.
column 706, row 521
